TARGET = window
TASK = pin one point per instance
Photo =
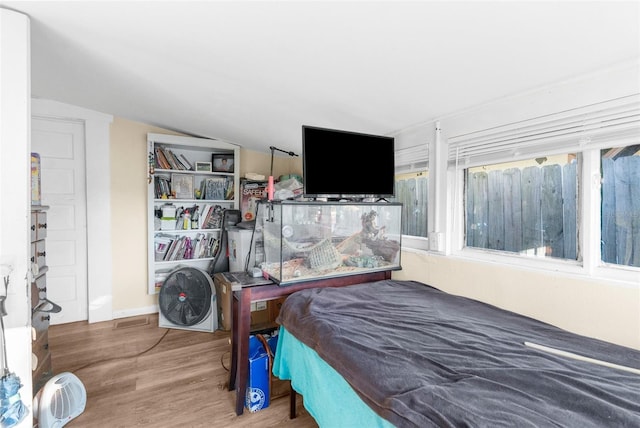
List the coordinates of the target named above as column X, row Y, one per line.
column 412, row 186
column 527, row 207
column 412, row 190
column 620, row 205
column 523, row 191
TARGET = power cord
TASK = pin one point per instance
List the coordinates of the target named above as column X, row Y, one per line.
column 124, row 357
column 222, row 360
column 142, row 353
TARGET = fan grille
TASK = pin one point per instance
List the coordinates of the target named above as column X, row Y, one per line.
column 185, row 296
column 61, row 399
column 65, row 398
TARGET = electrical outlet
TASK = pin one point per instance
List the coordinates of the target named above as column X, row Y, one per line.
column 258, row 306
column 436, row 241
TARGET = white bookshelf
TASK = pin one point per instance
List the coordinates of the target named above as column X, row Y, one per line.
column 201, row 191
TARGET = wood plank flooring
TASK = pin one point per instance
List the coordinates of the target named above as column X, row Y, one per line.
column 139, row 375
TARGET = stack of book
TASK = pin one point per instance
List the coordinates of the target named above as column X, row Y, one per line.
column 166, row 159
column 174, row 247
column 210, row 216
column 162, row 186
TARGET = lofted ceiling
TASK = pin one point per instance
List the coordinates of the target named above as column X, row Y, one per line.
column 254, row 72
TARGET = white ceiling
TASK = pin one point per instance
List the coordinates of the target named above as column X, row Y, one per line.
column 254, row 72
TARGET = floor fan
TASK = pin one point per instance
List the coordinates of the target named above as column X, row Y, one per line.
column 187, row 300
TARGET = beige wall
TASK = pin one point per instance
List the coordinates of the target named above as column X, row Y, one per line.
column 589, row 307
column 129, row 209
column 129, row 214
column 260, row 163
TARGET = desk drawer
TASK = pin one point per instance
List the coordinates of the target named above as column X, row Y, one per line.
column 38, row 225
column 40, row 346
column 41, row 225
column 40, row 323
column 38, row 290
column 35, row 295
column 39, row 254
column 42, row 372
column 34, row 227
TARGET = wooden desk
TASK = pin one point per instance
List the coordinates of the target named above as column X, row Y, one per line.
column 241, row 320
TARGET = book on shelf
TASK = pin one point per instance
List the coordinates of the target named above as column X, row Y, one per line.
column 162, row 186
column 213, row 219
column 184, row 161
column 217, row 188
column 166, row 159
column 205, row 246
column 210, row 245
column 214, row 247
column 172, row 159
column 175, row 248
column 162, row 243
column 184, row 251
column 161, row 159
column 203, row 211
column 197, row 246
column 172, row 250
column 229, row 193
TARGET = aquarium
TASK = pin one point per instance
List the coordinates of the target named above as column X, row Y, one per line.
column 302, row 241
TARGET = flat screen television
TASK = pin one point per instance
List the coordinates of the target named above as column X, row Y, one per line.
column 346, row 165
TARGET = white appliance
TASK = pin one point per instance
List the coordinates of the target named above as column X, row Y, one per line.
column 60, row 400
column 239, row 243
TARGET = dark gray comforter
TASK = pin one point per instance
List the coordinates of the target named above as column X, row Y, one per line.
column 420, row 357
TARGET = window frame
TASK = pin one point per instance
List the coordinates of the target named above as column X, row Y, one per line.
column 590, row 263
column 413, row 154
column 523, row 165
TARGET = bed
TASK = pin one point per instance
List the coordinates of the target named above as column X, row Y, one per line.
column 402, row 353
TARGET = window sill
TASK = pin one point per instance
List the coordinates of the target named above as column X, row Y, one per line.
column 621, row 275
column 416, row 243
column 624, row 276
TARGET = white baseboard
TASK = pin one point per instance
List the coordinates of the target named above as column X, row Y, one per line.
column 135, row 312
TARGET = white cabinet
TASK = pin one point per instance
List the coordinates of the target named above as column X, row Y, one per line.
column 191, row 182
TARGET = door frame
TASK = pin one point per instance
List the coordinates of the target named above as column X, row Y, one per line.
column 98, row 188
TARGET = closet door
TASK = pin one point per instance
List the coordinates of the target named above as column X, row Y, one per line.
column 61, row 147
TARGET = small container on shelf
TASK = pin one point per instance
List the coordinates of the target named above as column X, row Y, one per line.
column 186, row 220
column 167, row 223
column 35, row 179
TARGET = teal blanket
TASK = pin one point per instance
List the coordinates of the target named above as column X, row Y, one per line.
column 301, row 364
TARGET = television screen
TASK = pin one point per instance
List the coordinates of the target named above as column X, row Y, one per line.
column 346, row 165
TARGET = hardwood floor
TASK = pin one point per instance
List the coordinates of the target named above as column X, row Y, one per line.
column 139, row 375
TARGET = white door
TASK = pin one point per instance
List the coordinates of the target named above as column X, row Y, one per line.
column 61, row 147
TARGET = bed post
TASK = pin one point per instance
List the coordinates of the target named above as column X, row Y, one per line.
column 292, row 402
